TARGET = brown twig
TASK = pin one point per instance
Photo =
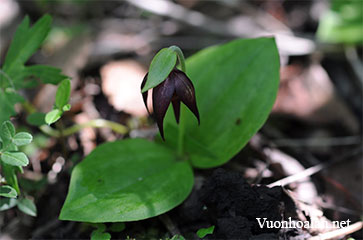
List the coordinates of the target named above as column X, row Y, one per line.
column 312, row 170
column 298, row 176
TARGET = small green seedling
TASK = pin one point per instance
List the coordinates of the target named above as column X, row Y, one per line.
column 15, row 76
column 12, row 160
column 61, row 102
column 99, row 233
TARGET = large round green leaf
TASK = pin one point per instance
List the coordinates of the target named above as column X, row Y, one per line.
column 236, row 86
column 126, row 180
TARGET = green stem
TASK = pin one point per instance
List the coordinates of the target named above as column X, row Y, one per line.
column 181, row 135
column 181, row 60
column 49, row 131
column 180, row 56
column 95, row 123
column 2, row 150
column 9, row 173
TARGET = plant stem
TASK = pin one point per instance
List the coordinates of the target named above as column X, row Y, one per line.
column 181, row 60
column 181, row 134
column 49, row 131
column 180, row 55
column 95, row 123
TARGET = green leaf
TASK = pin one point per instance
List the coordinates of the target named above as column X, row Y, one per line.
column 36, row 119
column 7, row 108
column 11, row 148
column 8, row 98
column 236, row 86
column 7, row 132
column 46, row 74
column 53, row 116
column 63, row 94
column 205, row 231
column 117, row 227
column 27, row 206
column 22, row 138
column 8, row 191
column 24, row 44
column 98, row 235
column 7, row 203
column 5, row 80
column 15, row 158
column 9, row 173
column 126, row 180
column 160, row 67
column 342, row 23
column 19, row 169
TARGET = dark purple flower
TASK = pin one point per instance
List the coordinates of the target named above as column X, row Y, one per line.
column 176, row 88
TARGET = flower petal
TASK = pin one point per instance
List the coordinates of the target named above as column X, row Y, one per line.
column 162, row 95
column 176, row 108
column 185, row 91
column 144, row 94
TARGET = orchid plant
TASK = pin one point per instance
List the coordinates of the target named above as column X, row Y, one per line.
column 229, row 88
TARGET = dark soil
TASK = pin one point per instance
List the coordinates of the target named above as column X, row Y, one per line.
column 227, row 201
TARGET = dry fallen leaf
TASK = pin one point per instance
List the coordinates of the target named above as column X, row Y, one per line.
column 309, row 94
column 303, row 91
